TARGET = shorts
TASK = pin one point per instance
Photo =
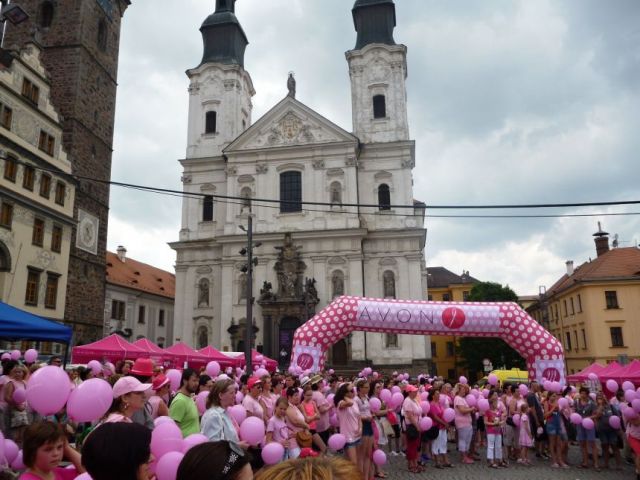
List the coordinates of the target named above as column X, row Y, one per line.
column 367, row 428
column 585, row 435
column 480, row 424
column 355, row 443
column 396, row 431
column 439, row 445
column 608, row 437
column 553, row 429
column 510, row 437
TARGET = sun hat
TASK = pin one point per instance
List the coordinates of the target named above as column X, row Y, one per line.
column 312, row 380
column 410, row 388
column 159, row 382
column 142, row 367
column 127, row 385
column 253, row 381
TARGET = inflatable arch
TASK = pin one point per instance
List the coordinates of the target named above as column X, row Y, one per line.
column 542, row 351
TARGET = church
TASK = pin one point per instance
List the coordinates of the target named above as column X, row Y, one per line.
column 332, row 211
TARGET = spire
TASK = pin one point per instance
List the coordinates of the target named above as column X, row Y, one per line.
column 374, row 21
column 223, row 38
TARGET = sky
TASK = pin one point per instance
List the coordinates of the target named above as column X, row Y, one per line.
column 510, row 102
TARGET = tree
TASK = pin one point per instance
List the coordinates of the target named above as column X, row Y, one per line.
column 473, row 350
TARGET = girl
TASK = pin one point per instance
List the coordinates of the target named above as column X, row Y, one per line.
column 555, row 429
column 311, row 415
column 349, row 420
column 366, row 447
column 526, row 437
column 493, row 424
column 295, row 420
column 277, row 430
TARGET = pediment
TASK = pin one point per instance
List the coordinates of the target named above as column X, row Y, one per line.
column 290, row 123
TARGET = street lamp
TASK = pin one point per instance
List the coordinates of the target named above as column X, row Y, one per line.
column 12, row 12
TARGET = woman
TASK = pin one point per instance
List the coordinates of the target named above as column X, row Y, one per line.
column 128, row 398
column 251, row 402
column 633, row 437
column 216, row 423
column 17, row 417
column 463, row 422
column 118, row 450
column 267, row 398
column 382, row 424
column 586, row 408
column 439, row 445
column 161, row 387
column 278, row 387
column 349, row 420
column 411, row 412
column 221, row 460
column 606, row 433
column 295, row 421
column 365, row 449
column 555, row 430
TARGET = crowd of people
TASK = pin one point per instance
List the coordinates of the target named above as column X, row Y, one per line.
column 275, row 425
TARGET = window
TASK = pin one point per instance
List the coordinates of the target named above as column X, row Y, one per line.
column 10, row 168
column 45, row 185
column 584, row 338
column 567, row 344
column 207, row 209
column 141, row 314
column 160, row 342
column 389, row 284
column 161, row 318
column 102, row 35
column 56, row 239
column 573, row 311
column 46, row 14
column 555, row 308
column 446, row 297
column 575, row 339
column 391, row 340
column 30, row 91
column 379, row 106
column 335, row 193
column 245, row 193
column 430, row 297
column 384, row 197
column 290, row 192
column 434, row 350
column 117, row 310
column 579, row 304
column 5, row 116
column 611, row 297
column 564, row 304
column 242, row 287
column 6, row 215
column 60, row 193
column 37, row 236
column 210, row 120
column 450, row 349
column 46, row 143
column 337, row 283
column 28, row 177
column 465, row 296
column 51, row 294
column 33, row 283
column 616, row 337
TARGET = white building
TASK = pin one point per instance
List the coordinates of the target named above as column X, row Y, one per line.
column 294, row 154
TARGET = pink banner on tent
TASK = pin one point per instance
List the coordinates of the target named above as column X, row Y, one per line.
column 112, row 348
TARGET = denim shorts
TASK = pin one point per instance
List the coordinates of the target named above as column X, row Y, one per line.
column 355, row 443
column 608, row 437
column 367, row 428
column 554, row 428
column 585, row 435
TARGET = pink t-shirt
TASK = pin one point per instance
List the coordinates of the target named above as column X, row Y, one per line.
column 462, row 419
column 269, row 402
column 59, row 473
column 411, row 406
column 490, row 416
column 349, row 419
column 436, row 410
column 252, row 406
column 298, row 414
column 323, row 422
column 278, row 426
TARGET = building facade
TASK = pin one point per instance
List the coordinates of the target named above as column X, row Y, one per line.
column 594, row 309
column 308, row 254
column 139, row 300
column 37, row 191
column 80, row 42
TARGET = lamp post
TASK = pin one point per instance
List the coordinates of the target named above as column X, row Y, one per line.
column 248, row 269
column 13, row 13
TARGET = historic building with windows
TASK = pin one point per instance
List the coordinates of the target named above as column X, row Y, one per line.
column 307, row 254
column 594, row 309
column 138, row 300
column 36, row 191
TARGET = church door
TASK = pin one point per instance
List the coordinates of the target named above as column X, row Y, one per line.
column 339, row 353
column 288, row 326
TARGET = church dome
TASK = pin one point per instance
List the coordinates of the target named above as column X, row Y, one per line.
column 374, row 21
column 222, row 35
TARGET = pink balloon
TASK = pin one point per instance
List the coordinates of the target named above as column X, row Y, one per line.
column 483, row 405
column 448, row 415
column 337, row 442
column 162, row 446
column 395, row 389
column 90, row 400
column 471, row 400
column 612, row 385
column 11, row 450
column 575, row 418
column 330, row 398
column 385, row 395
column 627, row 385
column 239, row 397
column 259, row 358
column 635, row 403
column 556, row 387
column 95, row 366
column 5, row 356
column 48, row 390
column 424, row 396
column 425, row 407
column 379, row 457
column 238, row 413
column 592, row 376
column 588, row 424
column 19, row 395
column 175, row 377
column 614, row 422
column 213, row 369
column 30, row 356
column 563, row 402
column 193, row 440
column 463, row 380
column 167, row 467
column 84, row 476
column 629, row 413
column 396, row 400
column 261, row 372
column 252, row 430
column 425, row 423
column 272, row 453
column 17, row 463
column 15, row 355
column 493, row 379
column 485, row 393
column 165, row 430
column 201, row 402
column 331, row 371
column 629, row 395
column 375, row 404
column 523, row 389
column 161, row 420
column 334, row 421
column 516, row 419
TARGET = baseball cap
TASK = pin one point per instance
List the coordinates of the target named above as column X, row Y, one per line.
column 160, row 381
column 127, row 385
column 253, row 381
column 410, row 388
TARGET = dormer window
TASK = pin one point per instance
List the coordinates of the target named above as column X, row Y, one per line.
column 379, row 106
column 210, row 122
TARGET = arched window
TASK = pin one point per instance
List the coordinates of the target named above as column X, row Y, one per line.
column 203, row 293
column 211, row 118
column 102, row 35
column 245, row 193
column 335, row 191
column 379, row 106
column 337, row 283
column 203, row 337
column 384, row 197
column 290, row 192
column 207, row 209
column 46, row 14
column 389, row 284
column 242, row 287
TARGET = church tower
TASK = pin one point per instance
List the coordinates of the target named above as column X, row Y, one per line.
column 220, row 89
column 378, row 70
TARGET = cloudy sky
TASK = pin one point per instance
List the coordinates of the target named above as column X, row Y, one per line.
column 510, row 102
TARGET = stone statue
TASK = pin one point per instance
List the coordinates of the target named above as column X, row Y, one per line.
column 310, row 289
column 291, row 85
column 389, row 283
column 337, row 284
column 203, row 293
column 265, row 292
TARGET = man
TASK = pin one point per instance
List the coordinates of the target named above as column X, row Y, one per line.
column 183, row 409
column 536, row 416
column 55, row 360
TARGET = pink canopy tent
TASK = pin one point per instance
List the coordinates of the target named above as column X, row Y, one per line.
column 270, row 365
column 112, row 348
column 629, row 372
column 583, row 375
column 608, row 370
column 213, row 354
column 184, row 353
column 156, row 353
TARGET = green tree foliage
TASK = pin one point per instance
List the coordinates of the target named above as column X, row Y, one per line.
column 473, row 350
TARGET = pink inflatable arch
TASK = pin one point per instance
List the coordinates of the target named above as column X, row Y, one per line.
column 542, row 351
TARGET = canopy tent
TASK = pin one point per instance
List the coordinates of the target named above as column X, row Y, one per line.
column 16, row 324
column 155, row 353
column 257, row 359
column 112, row 348
column 213, row 354
column 184, row 353
column 629, row 372
column 608, row 369
column 583, row 375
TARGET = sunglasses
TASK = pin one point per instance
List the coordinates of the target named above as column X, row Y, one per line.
column 235, row 454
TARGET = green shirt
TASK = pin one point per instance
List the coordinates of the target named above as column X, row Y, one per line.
column 184, row 411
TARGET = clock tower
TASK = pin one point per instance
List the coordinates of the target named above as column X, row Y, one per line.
column 80, row 43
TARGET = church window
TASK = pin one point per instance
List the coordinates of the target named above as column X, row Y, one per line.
column 210, row 121
column 335, row 191
column 207, row 209
column 337, row 284
column 379, row 106
column 102, row 35
column 46, row 14
column 384, row 197
column 203, row 337
column 242, row 287
column 391, row 340
column 389, row 284
column 290, row 192
column 245, row 193
column 203, row 293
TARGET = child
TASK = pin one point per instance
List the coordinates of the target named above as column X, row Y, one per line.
column 492, row 421
column 526, row 437
column 45, row 445
column 311, row 414
column 277, row 430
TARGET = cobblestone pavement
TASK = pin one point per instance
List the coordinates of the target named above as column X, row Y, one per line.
column 396, row 468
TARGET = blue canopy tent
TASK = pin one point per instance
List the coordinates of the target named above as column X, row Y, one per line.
column 16, row 324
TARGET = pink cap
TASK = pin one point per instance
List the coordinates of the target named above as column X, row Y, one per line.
column 127, row 385
column 410, row 388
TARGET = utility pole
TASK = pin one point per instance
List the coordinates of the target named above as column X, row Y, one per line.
column 248, row 269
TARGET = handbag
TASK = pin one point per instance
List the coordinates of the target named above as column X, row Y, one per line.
column 19, row 418
column 304, row 439
column 432, row 433
column 510, row 421
column 412, row 432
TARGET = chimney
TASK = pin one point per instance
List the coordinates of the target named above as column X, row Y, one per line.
column 602, row 241
column 122, row 253
column 569, row 264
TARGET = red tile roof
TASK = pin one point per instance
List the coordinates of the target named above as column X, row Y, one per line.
column 617, row 263
column 140, row 276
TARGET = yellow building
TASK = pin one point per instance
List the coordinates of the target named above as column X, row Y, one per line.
column 594, row 310
column 444, row 285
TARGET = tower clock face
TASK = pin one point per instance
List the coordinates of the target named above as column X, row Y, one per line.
column 87, row 234
column 107, row 6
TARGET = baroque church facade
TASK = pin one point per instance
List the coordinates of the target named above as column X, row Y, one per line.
column 325, row 202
